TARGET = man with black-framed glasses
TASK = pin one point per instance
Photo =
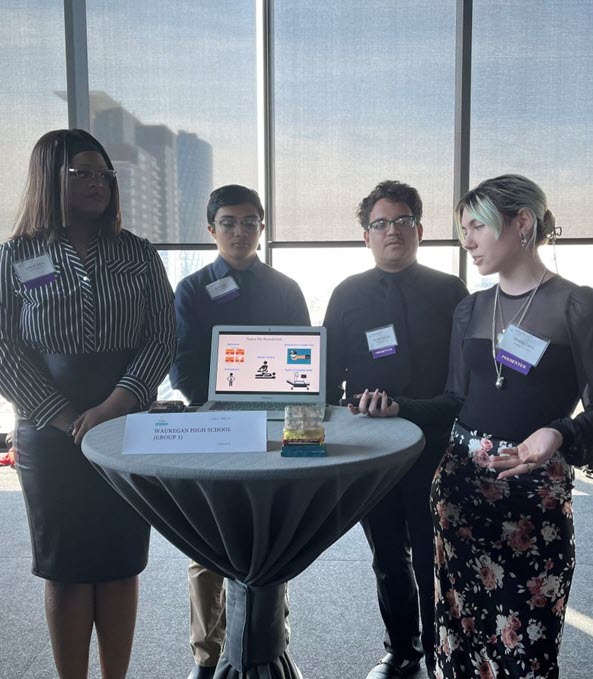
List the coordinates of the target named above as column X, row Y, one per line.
column 388, row 329
column 236, row 289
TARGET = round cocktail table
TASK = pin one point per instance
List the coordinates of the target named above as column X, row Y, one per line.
column 260, row 519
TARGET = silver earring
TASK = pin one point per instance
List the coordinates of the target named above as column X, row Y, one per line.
column 523, row 240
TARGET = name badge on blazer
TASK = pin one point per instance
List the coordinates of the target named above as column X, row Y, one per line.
column 35, row 272
column 382, row 341
column 520, row 350
column 223, row 290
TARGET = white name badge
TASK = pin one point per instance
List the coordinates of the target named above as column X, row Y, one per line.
column 520, row 350
column 382, row 341
column 223, row 290
column 36, row 271
column 213, row 432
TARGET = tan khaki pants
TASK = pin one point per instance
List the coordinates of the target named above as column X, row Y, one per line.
column 208, row 614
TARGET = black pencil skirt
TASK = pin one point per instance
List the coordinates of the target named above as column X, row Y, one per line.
column 82, row 531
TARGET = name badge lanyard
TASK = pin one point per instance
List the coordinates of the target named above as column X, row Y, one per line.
column 502, row 356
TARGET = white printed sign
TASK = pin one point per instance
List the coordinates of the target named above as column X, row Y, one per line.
column 212, row 432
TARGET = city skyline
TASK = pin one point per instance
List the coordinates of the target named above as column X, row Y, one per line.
column 363, row 91
column 361, row 94
column 165, row 177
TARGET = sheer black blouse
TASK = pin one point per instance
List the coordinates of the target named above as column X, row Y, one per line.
column 561, row 312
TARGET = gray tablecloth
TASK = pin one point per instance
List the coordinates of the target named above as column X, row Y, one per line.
column 259, row 518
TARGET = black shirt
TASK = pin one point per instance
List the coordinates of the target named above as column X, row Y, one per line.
column 420, row 303
column 266, row 297
column 560, row 312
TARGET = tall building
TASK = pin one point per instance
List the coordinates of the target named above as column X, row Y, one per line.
column 138, row 180
column 165, row 179
column 161, row 143
column 137, row 169
column 114, row 125
column 194, row 173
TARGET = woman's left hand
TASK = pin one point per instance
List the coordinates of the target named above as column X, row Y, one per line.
column 375, row 405
column 119, row 402
column 537, row 449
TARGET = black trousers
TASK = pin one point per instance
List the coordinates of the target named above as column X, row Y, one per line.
column 400, row 533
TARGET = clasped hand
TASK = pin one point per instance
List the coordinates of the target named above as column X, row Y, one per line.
column 92, row 417
column 120, row 402
column 375, row 404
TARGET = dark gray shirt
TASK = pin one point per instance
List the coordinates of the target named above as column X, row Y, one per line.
column 266, row 297
column 419, row 302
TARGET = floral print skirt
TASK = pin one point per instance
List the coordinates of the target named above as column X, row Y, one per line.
column 504, row 559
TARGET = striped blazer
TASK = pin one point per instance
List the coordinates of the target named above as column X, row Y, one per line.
column 118, row 299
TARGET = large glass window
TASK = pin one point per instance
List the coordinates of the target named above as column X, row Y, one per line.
column 173, row 97
column 33, row 68
column 572, row 262
column 319, row 270
column 33, row 71
column 363, row 92
column 182, row 263
column 532, row 79
column 179, row 264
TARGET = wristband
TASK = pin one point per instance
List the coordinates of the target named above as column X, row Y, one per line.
column 70, row 430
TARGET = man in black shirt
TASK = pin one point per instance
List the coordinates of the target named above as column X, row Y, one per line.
column 388, row 329
column 236, row 289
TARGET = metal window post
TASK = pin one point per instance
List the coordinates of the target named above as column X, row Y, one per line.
column 265, row 116
column 77, row 67
column 463, row 66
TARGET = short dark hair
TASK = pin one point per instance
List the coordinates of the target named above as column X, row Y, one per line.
column 394, row 192
column 232, row 194
column 44, row 207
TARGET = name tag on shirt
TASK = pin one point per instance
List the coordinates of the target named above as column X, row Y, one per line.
column 223, row 290
column 520, row 350
column 382, row 341
column 35, row 272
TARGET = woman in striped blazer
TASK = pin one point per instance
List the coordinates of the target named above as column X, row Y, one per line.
column 86, row 334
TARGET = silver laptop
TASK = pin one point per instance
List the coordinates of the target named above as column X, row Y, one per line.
column 266, row 368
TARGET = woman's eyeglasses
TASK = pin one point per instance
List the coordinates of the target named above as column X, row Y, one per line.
column 106, row 176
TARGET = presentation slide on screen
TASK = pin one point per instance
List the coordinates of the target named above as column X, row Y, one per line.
column 268, row 363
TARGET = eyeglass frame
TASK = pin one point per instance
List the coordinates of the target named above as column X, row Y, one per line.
column 397, row 222
column 254, row 223
column 106, row 176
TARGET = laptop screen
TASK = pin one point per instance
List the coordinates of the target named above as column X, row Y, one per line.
column 266, row 361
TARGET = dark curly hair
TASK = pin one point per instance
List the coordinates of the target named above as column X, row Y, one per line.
column 393, row 191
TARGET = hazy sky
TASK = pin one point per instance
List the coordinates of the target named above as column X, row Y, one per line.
column 364, row 91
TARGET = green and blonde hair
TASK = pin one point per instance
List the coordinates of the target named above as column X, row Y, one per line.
column 495, row 201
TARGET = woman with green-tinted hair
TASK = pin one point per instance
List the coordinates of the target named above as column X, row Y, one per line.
column 521, row 359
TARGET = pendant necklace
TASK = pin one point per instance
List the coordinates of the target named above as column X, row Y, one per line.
column 497, row 309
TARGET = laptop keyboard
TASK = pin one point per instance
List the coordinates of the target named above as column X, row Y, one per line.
column 248, row 405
